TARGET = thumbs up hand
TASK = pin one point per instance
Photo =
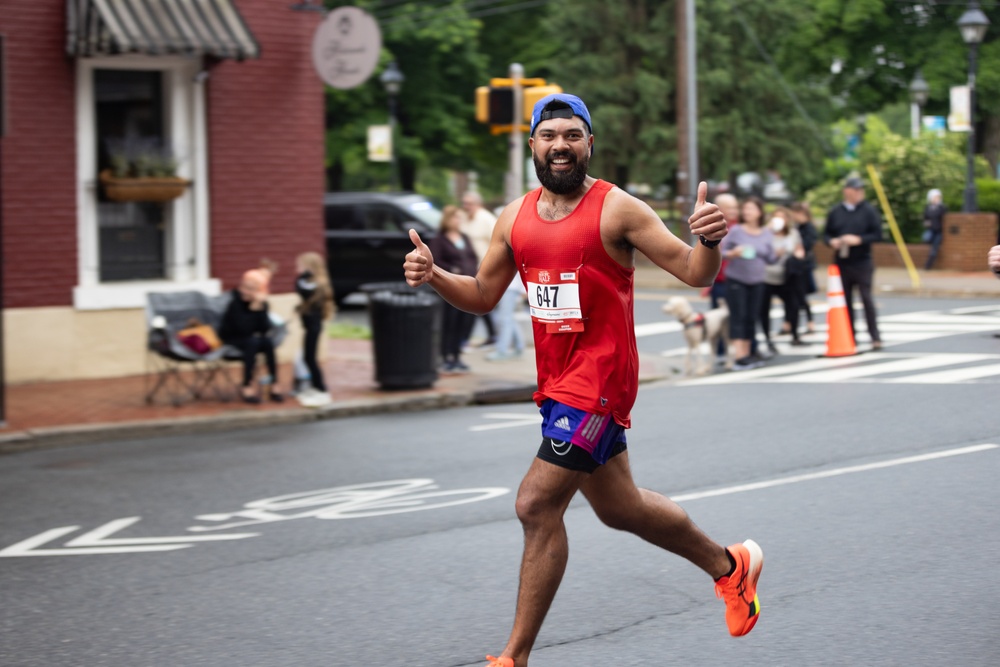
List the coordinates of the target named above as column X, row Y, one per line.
column 707, row 220
column 418, row 266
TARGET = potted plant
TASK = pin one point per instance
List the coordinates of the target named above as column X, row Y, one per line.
column 141, row 171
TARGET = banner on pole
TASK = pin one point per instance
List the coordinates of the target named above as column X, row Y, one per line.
column 380, row 143
column 959, row 118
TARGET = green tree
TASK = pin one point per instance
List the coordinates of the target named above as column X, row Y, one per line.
column 867, row 52
column 620, row 57
column 907, row 168
column 436, row 47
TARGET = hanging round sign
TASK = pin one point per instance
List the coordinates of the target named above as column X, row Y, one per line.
column 346, row 47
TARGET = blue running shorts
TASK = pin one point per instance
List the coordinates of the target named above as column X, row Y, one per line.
column 577, row 439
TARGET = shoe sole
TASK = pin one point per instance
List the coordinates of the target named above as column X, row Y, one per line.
column 756, row 565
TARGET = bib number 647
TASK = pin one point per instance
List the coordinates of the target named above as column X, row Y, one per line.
column 547, row 296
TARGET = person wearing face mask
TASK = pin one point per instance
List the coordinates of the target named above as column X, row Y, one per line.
column 781, row 279
column 851, row 228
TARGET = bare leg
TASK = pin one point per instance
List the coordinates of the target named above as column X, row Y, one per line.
column 541, row 503
column 658, row 520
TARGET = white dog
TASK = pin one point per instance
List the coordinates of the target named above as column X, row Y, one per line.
column 699, row 328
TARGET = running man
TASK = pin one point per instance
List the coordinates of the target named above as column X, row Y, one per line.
column 573, row 242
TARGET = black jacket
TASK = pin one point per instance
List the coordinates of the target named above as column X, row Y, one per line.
column 239, row 322
column 863, row 221
column 450, row 257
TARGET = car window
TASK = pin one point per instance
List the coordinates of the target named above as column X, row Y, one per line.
column 341, row 217
column 382, row 218
column 425, row 212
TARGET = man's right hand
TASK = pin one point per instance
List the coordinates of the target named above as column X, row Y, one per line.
column 419, row 264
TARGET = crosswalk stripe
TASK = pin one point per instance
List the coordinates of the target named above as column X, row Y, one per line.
column 881, row 367
column 951, row 375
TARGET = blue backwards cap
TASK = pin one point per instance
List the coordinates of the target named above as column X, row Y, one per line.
column 575, row 105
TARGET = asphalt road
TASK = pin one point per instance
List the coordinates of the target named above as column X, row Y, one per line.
column 870, row 487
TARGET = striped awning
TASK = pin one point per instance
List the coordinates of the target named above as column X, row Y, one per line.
column 158, row 27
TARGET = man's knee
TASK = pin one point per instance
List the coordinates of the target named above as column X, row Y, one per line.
column 533, row 507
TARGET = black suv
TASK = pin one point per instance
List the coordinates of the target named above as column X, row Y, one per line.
column 367, row 235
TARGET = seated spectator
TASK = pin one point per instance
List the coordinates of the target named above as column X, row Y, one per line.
column 245, row 325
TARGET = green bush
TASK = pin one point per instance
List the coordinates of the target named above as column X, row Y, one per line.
column 987, row 195
column 908, row 169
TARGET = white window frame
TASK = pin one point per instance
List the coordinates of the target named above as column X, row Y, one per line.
column 187, row 228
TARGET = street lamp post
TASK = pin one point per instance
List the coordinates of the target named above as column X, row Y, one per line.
column 918, row 97
column 973, row 25
column 392, row 80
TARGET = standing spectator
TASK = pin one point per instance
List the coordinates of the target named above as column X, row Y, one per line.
column 730, row 207
column 313, row 287
column 453, row 252
column 479, row 228
column 246, row 325
column 748, row 248
column 934, row 225
column 810, row 235
column 782, row 279
column 851, row 228
column 510, row 340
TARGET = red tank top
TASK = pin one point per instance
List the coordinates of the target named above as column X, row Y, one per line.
column 596, row 369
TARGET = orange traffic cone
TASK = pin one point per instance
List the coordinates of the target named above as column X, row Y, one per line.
column 839, row 339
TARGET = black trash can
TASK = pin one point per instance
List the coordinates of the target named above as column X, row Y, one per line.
column 406, row 334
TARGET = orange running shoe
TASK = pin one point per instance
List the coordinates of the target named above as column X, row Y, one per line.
column 739, row 589
column 499, row 662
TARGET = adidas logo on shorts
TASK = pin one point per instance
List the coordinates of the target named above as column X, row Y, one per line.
column 562, row 423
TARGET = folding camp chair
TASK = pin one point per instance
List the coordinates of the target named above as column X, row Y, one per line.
column 168, row 357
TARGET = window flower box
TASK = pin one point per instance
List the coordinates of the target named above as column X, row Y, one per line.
column 144, row 188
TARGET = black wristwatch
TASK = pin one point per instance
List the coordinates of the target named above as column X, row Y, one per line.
column 708, row 244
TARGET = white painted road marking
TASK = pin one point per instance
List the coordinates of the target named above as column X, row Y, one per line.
column 823, row 474
column 895, row 329
column 508, row 420
column 343, row 502
column 98, row 541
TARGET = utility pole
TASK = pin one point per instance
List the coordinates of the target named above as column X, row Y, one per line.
column 687, row 106
column 515, row 177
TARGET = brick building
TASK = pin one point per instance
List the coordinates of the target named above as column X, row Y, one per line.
column 225, row 88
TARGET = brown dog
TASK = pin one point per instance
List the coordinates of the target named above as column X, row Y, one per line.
column 699, row 328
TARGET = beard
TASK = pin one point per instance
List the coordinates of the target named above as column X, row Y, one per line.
column 561, row 183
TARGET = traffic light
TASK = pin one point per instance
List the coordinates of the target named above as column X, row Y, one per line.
column 535, row 93
column 495, row 103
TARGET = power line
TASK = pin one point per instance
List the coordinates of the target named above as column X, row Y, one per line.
column 781, row 79
column 481, row 9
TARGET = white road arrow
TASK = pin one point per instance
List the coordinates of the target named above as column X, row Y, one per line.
column 98, row 541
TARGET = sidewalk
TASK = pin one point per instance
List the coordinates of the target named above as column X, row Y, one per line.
column 53, row 414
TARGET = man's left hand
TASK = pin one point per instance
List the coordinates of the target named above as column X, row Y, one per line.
column 707, row 220
column 993, row 259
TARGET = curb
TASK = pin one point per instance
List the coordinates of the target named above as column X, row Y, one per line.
column 500, row 391
column 84, row 434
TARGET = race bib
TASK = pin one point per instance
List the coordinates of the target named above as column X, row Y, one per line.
column 554, row 299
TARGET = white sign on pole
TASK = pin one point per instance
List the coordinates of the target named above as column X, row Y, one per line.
column 346, row 47
column 380, row 143
column 958, row 119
